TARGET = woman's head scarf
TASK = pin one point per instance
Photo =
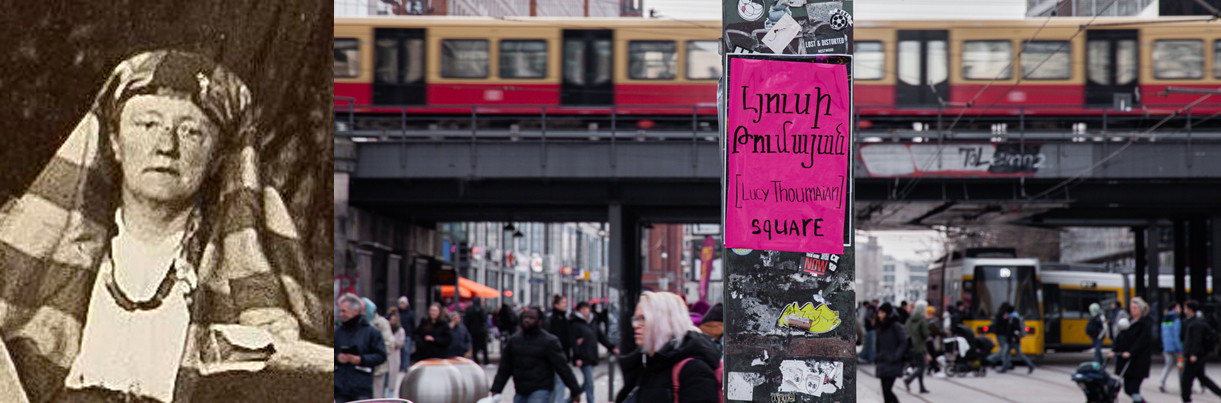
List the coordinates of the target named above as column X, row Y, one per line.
column 249, row 262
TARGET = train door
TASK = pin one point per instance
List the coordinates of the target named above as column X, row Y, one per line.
column 1112, row 69
column 587, row 65
column 923, row 68
column 1052, row 314
column 398, row 60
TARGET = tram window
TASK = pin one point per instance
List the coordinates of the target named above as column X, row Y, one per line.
column 1125, row 61
column 1076, row 303
column 868, row 61
column 652, row 60
column 703, row 62
column 986, row 60
column 1046, row 60
column 1178, row 59
column 1098, row 58
column 387, row 52
column 464, row 58
column 523, row 59
column 347, row 57
column 1217, row 59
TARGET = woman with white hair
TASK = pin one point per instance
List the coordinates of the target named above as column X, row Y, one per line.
column 666, row 338
column 1132, row 347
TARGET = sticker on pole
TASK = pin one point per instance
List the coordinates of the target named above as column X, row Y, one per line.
column 788, row 133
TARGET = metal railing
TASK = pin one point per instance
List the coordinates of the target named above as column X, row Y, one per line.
column 550, row 123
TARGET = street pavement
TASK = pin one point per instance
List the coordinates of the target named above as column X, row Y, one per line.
column 1050, row 383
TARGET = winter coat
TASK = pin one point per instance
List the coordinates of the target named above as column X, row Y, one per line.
column 891, row 343
column 533, row 358
column 587, row 349
column 358, row 333
column 917, row 331
column 559, row 326
column 438, row 348
column 476, row 321
column 1000, row 327
column 1171, row 331
column 383, row 326
column 407, row 321
column 460, row 341
column 1194, row 338
column 395, row 358
column 697, row 381
column 1135, row 341
column 507, row 321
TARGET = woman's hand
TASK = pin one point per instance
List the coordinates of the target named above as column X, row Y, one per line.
column 1126, row 355
column 429, row 338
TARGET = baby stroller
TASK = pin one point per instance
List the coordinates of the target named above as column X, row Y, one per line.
column 966, row 352
column 1098, row 386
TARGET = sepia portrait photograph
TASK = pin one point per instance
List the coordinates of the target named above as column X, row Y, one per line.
column 165, row 229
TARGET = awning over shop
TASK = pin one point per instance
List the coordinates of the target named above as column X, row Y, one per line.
column 469, row 289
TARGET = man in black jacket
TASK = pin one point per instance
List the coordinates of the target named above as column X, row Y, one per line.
column 358, row 348
column 1195, row 335
column 533, row 357
column 477, row 324
column 559, row 326
column 587, row 336
column 407, row 321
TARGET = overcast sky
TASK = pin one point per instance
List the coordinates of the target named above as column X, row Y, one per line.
column 865, row 9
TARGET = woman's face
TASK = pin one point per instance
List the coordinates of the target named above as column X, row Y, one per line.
column 433, row 313
column 164, row 145
column 638, row 325
column 1134, row 309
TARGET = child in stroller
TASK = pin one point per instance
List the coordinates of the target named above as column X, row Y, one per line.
column 1098, row 386
column 966, row 352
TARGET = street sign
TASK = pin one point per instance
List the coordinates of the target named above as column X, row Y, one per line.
column 786, row 154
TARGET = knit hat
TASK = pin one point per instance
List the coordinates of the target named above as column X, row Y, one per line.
column 715, row 314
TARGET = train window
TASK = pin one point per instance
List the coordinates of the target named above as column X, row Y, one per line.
column 703, row 62
column 1217, row 59
column 464, row 58
column 1178, row 59
column 986, row 60
column 523, row 59
column 1125, row 61
column 347, row 57
column 1046, row 60
column 868, row 60
column 652, row 60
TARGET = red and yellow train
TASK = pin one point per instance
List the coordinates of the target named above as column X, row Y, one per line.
column 903, row 69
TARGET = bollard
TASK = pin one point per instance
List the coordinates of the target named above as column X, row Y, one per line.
column 432, row 380
column 474, row 380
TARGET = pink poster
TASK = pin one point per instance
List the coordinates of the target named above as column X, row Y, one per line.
column 788, row 133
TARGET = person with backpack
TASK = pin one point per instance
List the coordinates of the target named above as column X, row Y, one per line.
column 891, row 343
column 1000, row 328
column 675, row 362
column 1172, row 347
column 1096, row 330
column 1017, row 330
column 1132, row 348
column 917, row 334
column 1199, row 340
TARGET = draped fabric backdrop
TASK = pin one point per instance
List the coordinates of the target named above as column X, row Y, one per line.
column 55, row 55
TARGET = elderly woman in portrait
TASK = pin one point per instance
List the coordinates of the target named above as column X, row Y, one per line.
column 147, row 259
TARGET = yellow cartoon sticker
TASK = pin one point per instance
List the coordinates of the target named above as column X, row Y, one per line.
column 820, row 319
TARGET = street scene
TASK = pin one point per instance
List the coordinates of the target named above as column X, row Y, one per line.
column 777, row 200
